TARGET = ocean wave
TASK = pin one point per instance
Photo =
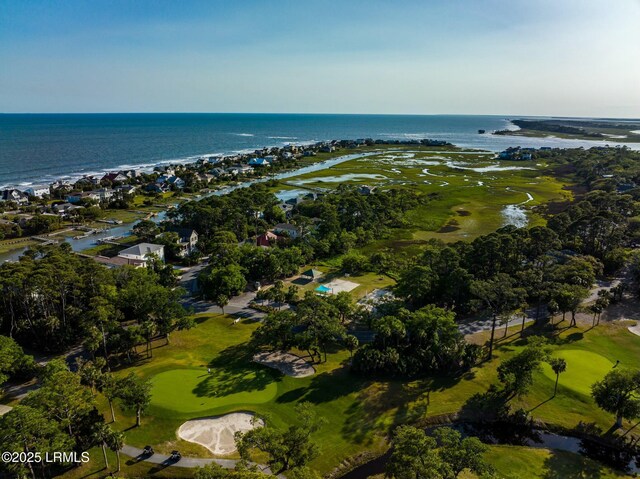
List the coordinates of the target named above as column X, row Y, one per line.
column 242, row 134
column 282, row 137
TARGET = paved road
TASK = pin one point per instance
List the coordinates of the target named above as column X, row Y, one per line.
column 188, row 462
column 189, row 276
column 472, row 326
column 238, row 306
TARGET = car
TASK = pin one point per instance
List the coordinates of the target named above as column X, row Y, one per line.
column 175, row 456
column 148, row 451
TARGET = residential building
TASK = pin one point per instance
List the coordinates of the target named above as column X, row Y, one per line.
column 114, row 178
column 83, row 195
column 287, row 229
column 259, row 162
column 266, row 239
column 16, row 196
column 139, row 254
column 187, row 239
column 38, row 191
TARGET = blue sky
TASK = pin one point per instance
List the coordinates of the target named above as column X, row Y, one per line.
column 536, row 57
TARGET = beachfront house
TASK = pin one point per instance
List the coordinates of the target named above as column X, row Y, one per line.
column 111, row 178
column 86, row 182
column 139, row 254
column 38, row 191
column 130, row 173
column 16, row 196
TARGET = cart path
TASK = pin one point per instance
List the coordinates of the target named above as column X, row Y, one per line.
column 138, row 455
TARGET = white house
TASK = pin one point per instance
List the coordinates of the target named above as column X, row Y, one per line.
column 285, row 228
column 38, row 191
column 139, row 254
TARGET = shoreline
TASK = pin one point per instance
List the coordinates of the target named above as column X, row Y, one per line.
column 538, row 139
column 313, row 163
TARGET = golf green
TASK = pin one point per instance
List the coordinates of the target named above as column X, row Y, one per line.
column 195, row 390
column 583, row 369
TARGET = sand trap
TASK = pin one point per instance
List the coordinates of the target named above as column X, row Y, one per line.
column 216, row 433
column 635, row 329
column 4, row 409
column 286, row 363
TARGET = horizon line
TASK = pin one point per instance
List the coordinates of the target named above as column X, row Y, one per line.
column 317, row 114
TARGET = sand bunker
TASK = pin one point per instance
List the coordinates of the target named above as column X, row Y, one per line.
column 635, row 329
column 286, row 363
column 216, row 433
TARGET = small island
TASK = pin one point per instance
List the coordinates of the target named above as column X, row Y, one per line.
column 579, row 129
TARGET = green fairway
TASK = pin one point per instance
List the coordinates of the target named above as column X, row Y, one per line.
column 517, row 462
column 358, row 413
column 194, row 390
column 583, row 369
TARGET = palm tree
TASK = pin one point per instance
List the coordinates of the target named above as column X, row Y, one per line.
column 110, row 391
column 559, row 365
column 115, row 441
column 352, row 343
column 101, row 435
column 222, row 300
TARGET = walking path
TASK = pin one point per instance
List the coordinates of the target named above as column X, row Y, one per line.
column 189, row 462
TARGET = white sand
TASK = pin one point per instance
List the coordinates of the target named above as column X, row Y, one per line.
column 286, row 363
column 4, row 409
column 216, row 433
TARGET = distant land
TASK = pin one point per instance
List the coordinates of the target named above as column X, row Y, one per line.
column 579, row 129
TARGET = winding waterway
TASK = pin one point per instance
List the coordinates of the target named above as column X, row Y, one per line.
column 87, row 242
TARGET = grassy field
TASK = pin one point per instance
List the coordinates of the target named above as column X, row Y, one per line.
column 9, row 245
column 515, row 462
column 359, row 413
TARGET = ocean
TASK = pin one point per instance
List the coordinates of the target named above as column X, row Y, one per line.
column 41, row 148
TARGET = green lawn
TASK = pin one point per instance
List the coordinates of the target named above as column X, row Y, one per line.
column 515, row 462
column 583, row 369
column 201, row 391
column 359, row 413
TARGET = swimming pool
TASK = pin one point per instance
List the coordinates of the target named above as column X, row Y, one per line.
column 323, row 289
